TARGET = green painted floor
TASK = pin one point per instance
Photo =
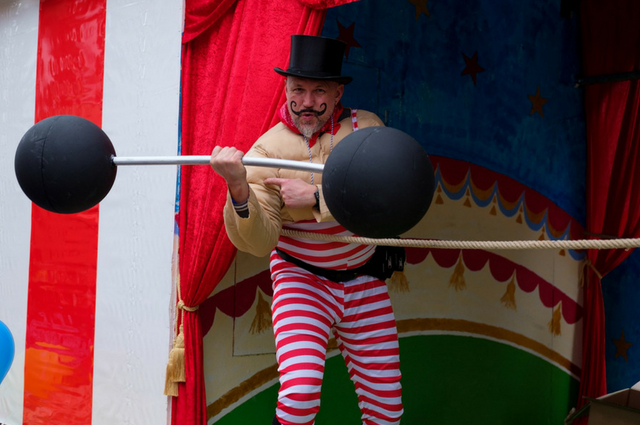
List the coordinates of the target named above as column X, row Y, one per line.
column 447, row 380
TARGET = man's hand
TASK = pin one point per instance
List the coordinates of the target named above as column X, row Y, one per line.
column 227, row 162
column 295, row 192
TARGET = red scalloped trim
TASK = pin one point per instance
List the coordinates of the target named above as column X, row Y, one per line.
column 502, row 270
column 454, row 174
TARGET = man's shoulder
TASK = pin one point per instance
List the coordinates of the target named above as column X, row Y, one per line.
column 274, row 139
column 274, row 133
column 366, row 118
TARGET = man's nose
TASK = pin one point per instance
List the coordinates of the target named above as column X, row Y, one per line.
column 308, row 101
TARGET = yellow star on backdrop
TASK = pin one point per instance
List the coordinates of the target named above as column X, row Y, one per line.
column 621, row 347
column 536, row 103
column 421, row 7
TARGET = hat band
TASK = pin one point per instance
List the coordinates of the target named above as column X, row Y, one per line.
column 314, row 72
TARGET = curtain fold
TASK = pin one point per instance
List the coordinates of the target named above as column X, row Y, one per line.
column 202, row 14
column 611, row 45
column 230, row 95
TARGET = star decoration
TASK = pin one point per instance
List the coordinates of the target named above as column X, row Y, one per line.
column 536, row 103
column 346, row 35
column 421, row 7
column 621, row 347
column 472, row 67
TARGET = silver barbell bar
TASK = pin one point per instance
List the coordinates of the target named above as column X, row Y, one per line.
column 205, row 160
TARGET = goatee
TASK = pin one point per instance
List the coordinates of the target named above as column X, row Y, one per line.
column 308, row 130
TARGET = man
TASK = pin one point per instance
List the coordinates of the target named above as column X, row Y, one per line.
column 316, row 285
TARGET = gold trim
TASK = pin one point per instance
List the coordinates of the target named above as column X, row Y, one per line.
column 235, row 394
column 460, row 325
column 404, row 326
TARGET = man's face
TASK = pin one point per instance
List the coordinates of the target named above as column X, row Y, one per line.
column 311, row 102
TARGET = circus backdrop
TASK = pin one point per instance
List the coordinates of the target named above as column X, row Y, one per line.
column 98, row 303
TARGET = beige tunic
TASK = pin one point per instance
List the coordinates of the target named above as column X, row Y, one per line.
column 258, row 234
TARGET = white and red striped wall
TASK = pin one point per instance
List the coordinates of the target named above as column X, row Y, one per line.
column 88, row 297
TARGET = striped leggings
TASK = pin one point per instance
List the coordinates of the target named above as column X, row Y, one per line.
column 305, row 308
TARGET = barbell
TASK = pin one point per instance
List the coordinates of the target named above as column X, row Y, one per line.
column 377, row 182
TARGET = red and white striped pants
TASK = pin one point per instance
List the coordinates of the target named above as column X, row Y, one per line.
column 305, row 308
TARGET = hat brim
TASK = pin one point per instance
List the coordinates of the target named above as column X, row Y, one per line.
column 342, row 79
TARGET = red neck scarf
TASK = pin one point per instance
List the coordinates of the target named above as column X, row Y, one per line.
column 286, row 118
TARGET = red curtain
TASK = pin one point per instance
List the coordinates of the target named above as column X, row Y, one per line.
column 230, row 95
column 611, row 45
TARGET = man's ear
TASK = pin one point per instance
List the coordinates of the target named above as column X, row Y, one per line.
column 340, row 90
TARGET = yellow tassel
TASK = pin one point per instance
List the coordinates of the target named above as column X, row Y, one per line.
column 176, row 357
column 262, row 320
column 175, row 366
column 554, row 324
column 398, row 282
column 509, row 297
column 170, row 387
column 457, row 278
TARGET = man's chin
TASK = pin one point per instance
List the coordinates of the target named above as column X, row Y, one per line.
column 308, row 130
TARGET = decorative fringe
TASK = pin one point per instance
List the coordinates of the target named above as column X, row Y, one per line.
column 554, row 324
column 439, row 197
column 544, row 238
column 467, row 202
column 457, row 278
column 262, row 319
column 175, row 366
column 509, row 297
column 398, row 282
column 519, row 218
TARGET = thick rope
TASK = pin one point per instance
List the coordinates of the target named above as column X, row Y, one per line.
column 181, row 306
column 577, row 244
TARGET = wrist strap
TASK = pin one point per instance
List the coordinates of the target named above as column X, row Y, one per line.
column 242, row 209
column 317, row 194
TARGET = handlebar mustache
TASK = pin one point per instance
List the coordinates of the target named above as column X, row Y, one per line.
column 308, row 111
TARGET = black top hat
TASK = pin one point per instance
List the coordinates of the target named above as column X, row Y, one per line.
column 318, row 58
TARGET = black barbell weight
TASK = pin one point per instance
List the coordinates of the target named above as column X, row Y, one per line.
column 377, row 182
column 63, row 164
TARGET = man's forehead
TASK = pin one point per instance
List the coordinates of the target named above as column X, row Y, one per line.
column 299, row 81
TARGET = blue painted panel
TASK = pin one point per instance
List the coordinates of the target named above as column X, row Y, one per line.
column 520, row 46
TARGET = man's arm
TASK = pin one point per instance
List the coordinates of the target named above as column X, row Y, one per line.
column 251, row 216
column 227, row 162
